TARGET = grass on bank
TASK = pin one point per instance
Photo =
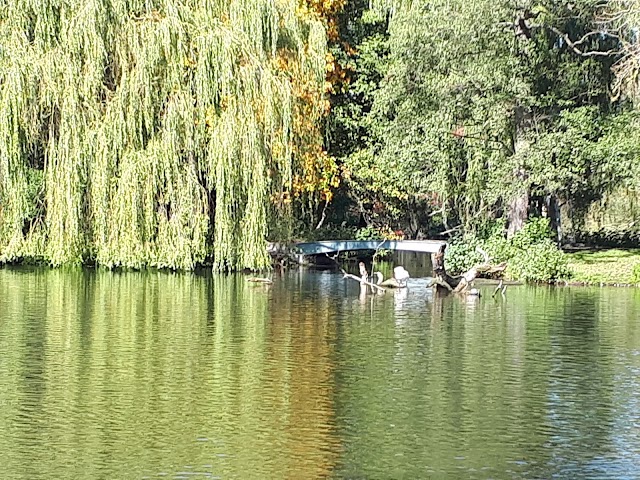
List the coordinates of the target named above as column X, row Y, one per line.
column 613, row 266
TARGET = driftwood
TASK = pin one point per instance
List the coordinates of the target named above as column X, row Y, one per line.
column 443, row 282
column 500, row 288
column 399, row 282
column 392, row 283
column 363, row 282
column 362, row 278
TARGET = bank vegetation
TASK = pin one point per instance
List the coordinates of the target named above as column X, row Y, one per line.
column 185, row 132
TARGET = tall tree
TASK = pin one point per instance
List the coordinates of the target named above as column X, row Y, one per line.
column 158, row 132
column 621, row 19
column 470, row 90
column 360, row 54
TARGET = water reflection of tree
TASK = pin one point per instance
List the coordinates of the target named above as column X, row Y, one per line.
column 142, row 373
column 583, row 402
column 460, row 391
column 127, row 375
column 22, row 391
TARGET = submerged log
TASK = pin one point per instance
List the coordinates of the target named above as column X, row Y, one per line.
column 362, row 281
column 392, row 283
column 445, row 283
column 399, row 279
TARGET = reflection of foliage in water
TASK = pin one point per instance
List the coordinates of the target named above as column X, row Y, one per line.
column 476, row 389
column 153, row 372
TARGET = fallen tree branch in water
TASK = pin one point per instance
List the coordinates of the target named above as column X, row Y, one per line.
column 500, row 288
column 363, row 281
column 436, row 282
column 459, row 284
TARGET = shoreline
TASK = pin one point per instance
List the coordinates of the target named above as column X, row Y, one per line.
column 591, row 267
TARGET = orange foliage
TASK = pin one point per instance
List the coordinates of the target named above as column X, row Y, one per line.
column 328, row 11
column 336, row 74
column 316, row 173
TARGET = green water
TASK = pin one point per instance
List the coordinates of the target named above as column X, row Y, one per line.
column 156, row 375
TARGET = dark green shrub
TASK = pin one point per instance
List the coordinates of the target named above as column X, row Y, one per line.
column 538, row 262
column 461, row 254
column 611, row 237
column 530, row 254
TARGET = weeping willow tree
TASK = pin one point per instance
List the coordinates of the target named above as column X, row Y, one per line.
column 158, row 133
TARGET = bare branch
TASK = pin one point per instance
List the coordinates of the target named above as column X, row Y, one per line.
column 451, row 230
column 590, row 53
column 369, row 284
column 324, row 215
column 487, row 259
column 437, row 282
column 586, row 37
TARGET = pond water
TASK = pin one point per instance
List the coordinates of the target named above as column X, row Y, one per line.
column 158, row 375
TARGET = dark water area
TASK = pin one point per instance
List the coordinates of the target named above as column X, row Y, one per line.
column 157, row 375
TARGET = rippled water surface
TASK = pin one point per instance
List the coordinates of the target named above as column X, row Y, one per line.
column 156, row 375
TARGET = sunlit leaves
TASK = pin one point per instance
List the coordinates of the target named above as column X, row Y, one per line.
column 158, row 131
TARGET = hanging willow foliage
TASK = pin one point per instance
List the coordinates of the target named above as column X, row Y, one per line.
column 157, row 132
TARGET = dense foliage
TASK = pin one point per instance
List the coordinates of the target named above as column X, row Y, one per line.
column 482, row 103
column 530, row 254
column 460, row 116
column 170, row 133
column 159, row 132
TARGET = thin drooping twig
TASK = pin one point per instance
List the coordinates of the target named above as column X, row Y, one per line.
column 373, row 260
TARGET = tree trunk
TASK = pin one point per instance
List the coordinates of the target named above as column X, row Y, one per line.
column 519, row 205
column 442, row 281
column 445, row 283
column 518, row 209
column 553, row 212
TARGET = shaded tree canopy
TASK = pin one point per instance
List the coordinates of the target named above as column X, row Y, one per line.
column 481, row 105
